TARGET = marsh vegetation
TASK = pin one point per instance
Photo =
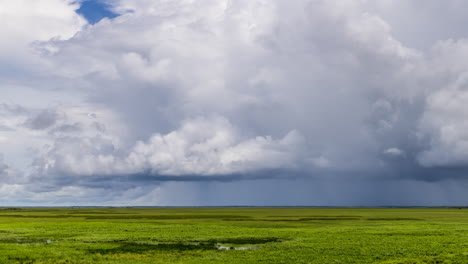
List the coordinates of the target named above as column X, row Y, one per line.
column 233, row 235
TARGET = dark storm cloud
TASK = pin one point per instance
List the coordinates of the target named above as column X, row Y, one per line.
column 67, row 128
column 43, row 120
column 3, row 167
column 14, row 109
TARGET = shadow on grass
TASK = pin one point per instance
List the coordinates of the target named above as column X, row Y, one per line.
column 247, row 240
column 127, row 247
column 303, row 219
column 168, row 217
column 394, row 219
column 443, row 259
column 141, row 248
column 25, row 241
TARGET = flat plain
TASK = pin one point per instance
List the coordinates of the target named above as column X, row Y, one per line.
column 234, row 235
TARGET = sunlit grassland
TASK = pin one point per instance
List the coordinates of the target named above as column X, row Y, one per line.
column 233, row 235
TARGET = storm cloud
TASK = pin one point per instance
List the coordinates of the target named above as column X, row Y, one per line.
column 308, row 102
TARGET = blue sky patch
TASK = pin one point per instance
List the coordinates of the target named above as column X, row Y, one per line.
column 95, row 10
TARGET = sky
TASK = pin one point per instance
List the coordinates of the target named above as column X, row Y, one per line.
column 233, row 102
column 94, row 11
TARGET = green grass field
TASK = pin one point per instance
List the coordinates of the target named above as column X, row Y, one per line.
column 233, row 235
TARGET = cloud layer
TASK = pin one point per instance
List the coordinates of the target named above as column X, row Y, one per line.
column 331, row 93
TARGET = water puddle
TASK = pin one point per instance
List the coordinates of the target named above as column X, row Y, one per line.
column 220, row 246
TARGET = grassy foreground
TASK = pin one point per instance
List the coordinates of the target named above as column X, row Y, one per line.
column 233, row 235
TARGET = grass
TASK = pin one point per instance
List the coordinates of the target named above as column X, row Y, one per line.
column 234, row 235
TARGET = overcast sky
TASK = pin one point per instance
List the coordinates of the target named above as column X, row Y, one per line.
column 234, row 102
